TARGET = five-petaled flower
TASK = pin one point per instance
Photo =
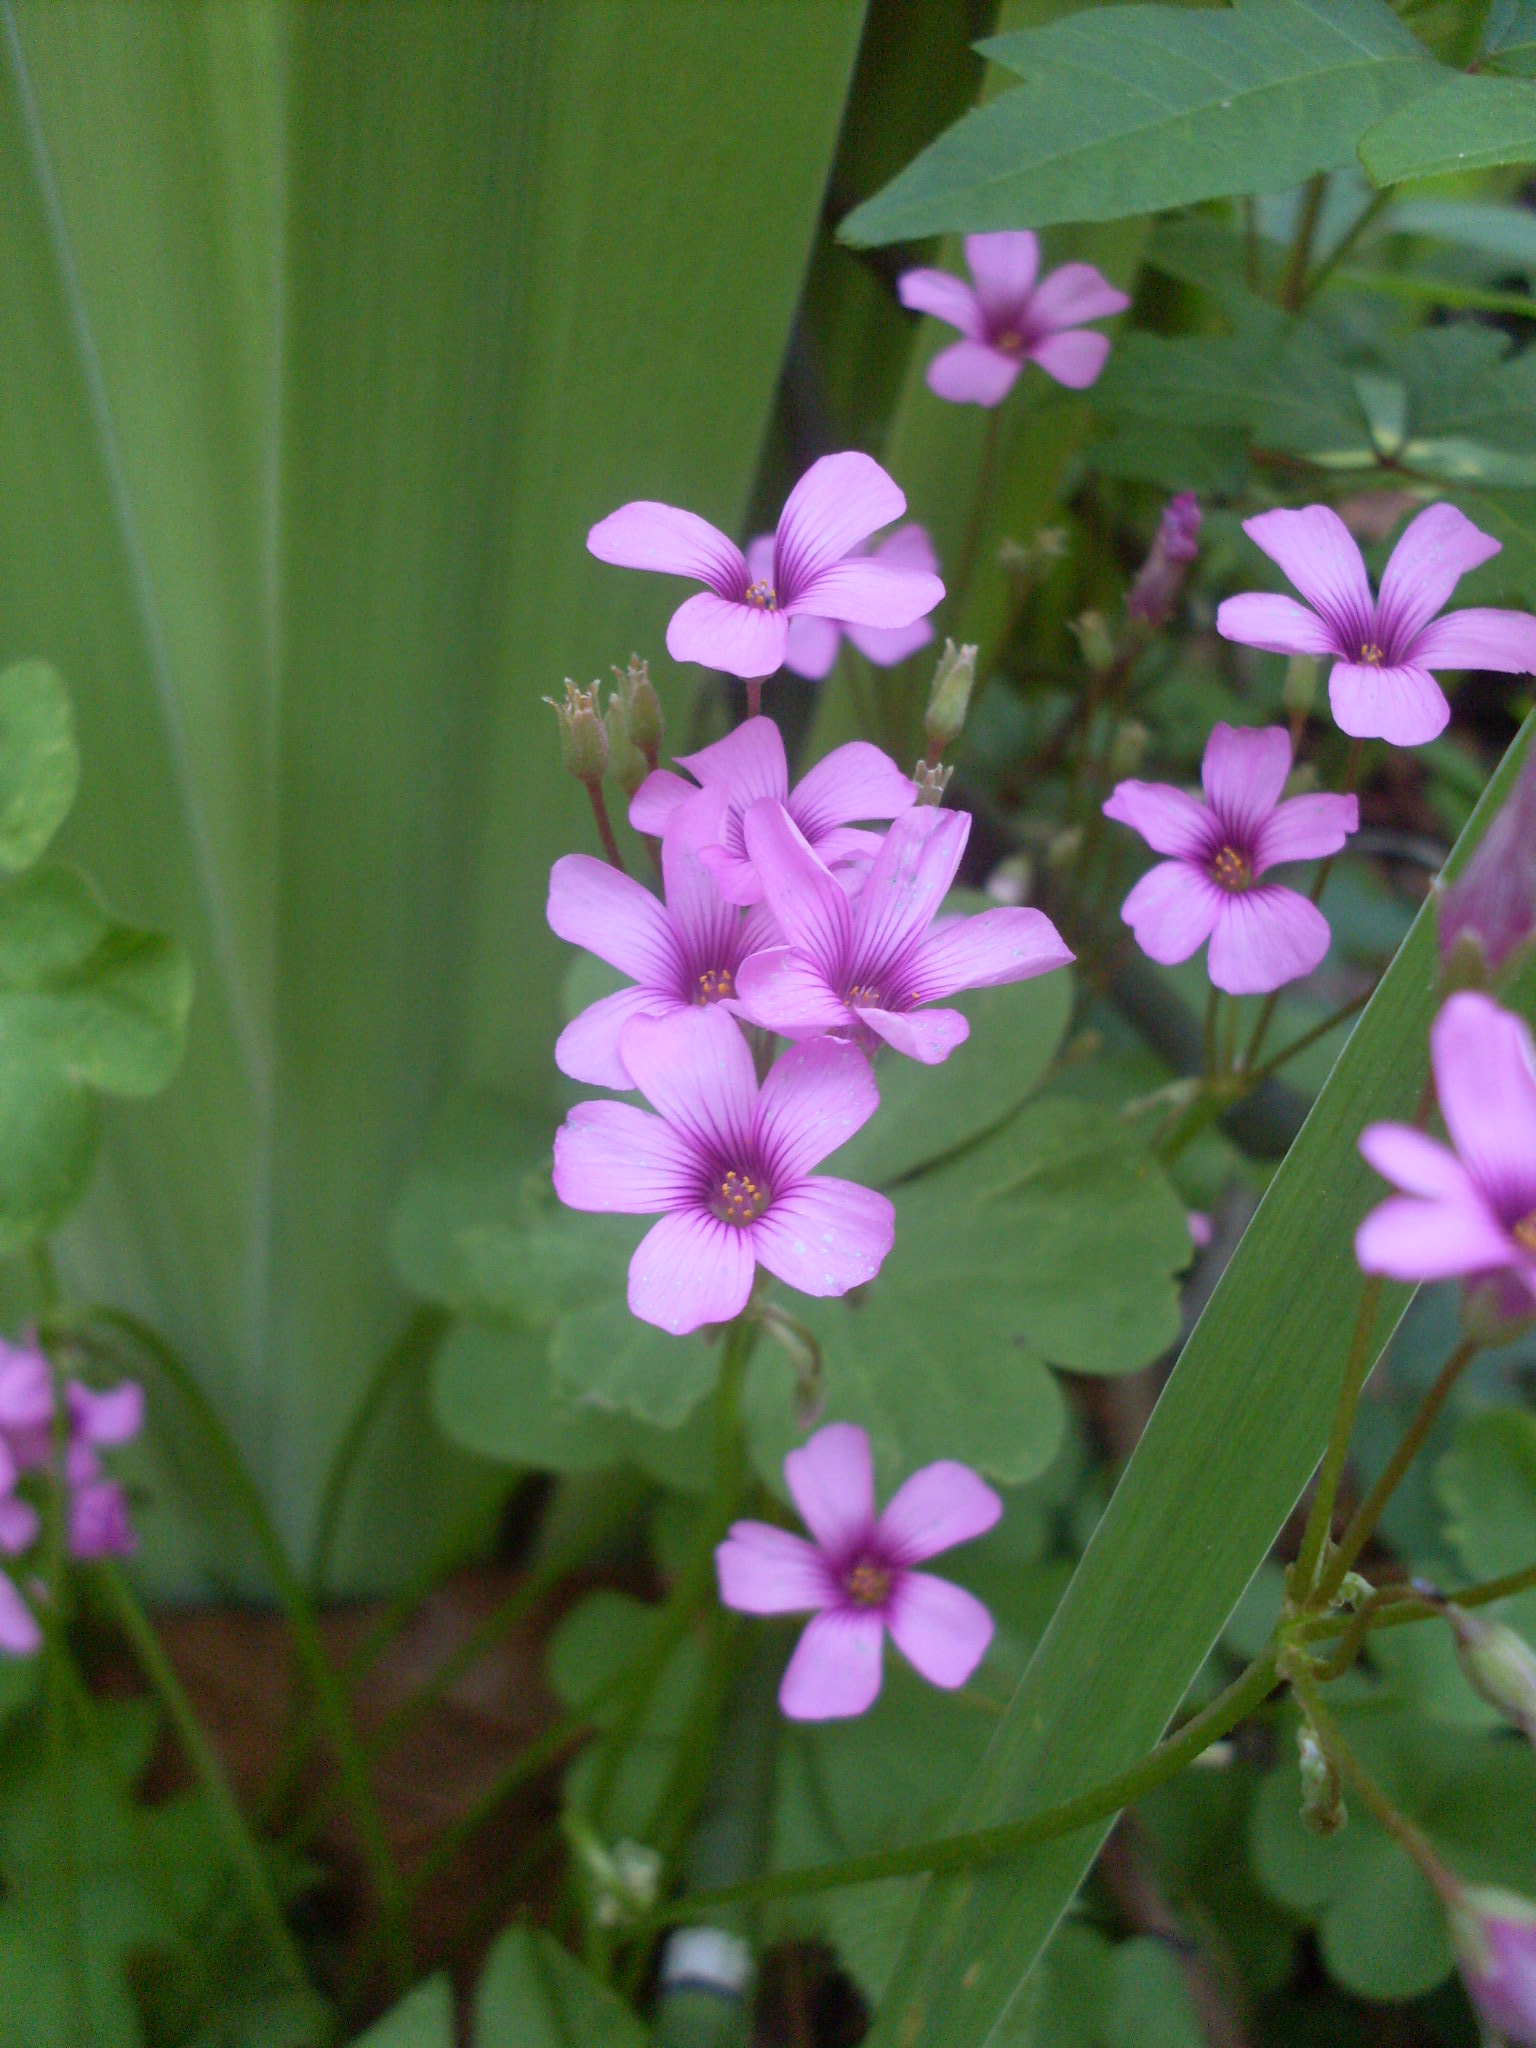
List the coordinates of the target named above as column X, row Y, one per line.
column 1470, row 1211
column 868, row 966
column 1384, row 647
column 729, row 1165
column 856, row 1577
column 740, row 622
column 811, row 649
column 1009, row 320
column 854, row 781
column 1262, row 935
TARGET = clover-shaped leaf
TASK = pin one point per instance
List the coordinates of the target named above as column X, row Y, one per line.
column 39, row 763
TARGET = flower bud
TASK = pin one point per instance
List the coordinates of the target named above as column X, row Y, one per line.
column 626, row 763
column 1156, row 590
column 1323, row 1811
column 931, row 782
column 1493, row 899
column 1009, row 882
column 1095, row 639
column 1128, row 748
column 643, row 708
column 1499, row 1665
column 1064, row 849
column 950, row 697
column 583, row 736
column 1029, row 562
column 1299, row 691
column 1494, row 1935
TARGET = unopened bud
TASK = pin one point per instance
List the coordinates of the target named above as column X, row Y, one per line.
column 583, row 736
column 1064, row 849
column 1499, row 1665
column 950, row 697
column 932, row 781
column 1494, row 1935
column 1128, row 748
column 1299, row 690
column 1009, row 881
column 626, row 764
column 1494, row 896
column 1156, row 590
column 1095, row 639
column 1323, row 1811
column 643, row 707
column 625, row 1880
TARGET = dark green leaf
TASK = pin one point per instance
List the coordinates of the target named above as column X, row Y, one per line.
column 1510, row 41
column 422, row 2019
column 1487, row 1484
column 534, row 1995
column 39, row 762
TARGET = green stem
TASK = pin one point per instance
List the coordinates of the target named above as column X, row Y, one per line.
column 604, row 825
column 1359, row 1625
column 1294, row 285
column 1459, row 297
column 1298, row 1045
column 1367, row 217
column 241, row 1846
column 61, row 1788
column 1357, row 1366
column 986, row 474
column 1260, row 1029
column 998, row 1844
column 1212, row 1039
column 1406, row 1606
column 1368, row 1514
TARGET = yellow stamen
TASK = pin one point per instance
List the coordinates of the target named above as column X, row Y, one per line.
column 1371, row 654
column 740, row 1199
column 1524, row 1232
column 715, row 984
column 763, row 596
column 1231, row 870
column 868, row 1585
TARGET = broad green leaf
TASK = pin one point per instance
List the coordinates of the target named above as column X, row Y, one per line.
column 1128, row 110
column 1509, row 43
column 1487, row 1484
column 469, row 1183
column 535, row 1995
column 1466, row 124
column 422, row 2019
column 39, row 762
column 1235, row 1436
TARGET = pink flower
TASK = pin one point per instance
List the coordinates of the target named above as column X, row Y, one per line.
column 741, row 622
column 1008, row 320
column 813, row 642
column 856, row 1577
column 729, row 1166
column 684, row 953
column 1471, row 1210
column 1494, row 1933
column 1493, row 899
column 854, row 781
column 868, row 966
column 98, row 1523
column 1261, row 937
column 1155, row 592
column 1383, row 647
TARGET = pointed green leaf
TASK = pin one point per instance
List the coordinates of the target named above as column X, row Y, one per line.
column 422, row 2019
column 534, row 1995
column 39, row 762
column 1466, row 124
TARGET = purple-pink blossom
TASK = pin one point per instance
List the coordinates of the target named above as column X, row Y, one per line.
column 811, row 649
column 683, row 953
column 1261, row 934
column 1494, row 1934
column 1008, row 320
column 1468, row 1211
column 854, row 781
column 1493, row 899
column 1384, row 648
column 856, row 1577
column 740, row 621
column 728, row 1165
column 1155, row 592
column 871, row 966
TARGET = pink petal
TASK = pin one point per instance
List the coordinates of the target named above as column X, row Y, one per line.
column 811, row 909
column 656, row 799
column 811, row 649
column 1305, row 828
column 831, row 1480
column 1414, row 1163
column 835, row 1669
column 1173, row 911
column 646, row 535
column 1277, row 624
column 1005, row 265
column 1479, row 638
column 760, row 558
column 825, row 1236
column 814, row 1099
column 26, row 1388
column 785, row 991
column 20, row 1525
column 735, row 878
column 707, row 926
column 1264, row 939
column 20, row 1635
column 938, row 1507
column 690, row 1269
column 863, row 592
column 983, row 951
column 113, row 1417
column 1243, row 773
column 1409, row 1240
column 886, row 645
column 718, row 632
column 909, row 880
column 763, row 1570
column 612, row 1157
column 854, row 781
column 696, row 1069
column 940, row 1629
column 970, row 373
column 99, row 1524
column 592, row 905
column 1073, row 294
column 749, row 762
column 840, row 501
column 1434, row 552
column 1486, row 1087
column 588, row 1048
column 947, row 298
column 1404, row 705
column 1170, row 820
column 929, row 1036
column 1317, row 551
column 1074, row 357
column 908, row 547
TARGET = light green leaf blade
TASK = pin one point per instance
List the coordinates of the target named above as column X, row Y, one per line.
column 534, row 1995
column 422, row 2019
column 1466, row 124
column 39, row 761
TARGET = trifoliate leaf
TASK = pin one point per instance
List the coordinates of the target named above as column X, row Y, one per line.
column 39, row 762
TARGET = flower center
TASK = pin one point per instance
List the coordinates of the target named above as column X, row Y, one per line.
column 740, row 1199
column 1009, row 342
column 1371, row 654
column 868, row 1584
column 715, row 984
column 1231, row 870
column 1524, row 1232
column 863, row 996
column 762, row 595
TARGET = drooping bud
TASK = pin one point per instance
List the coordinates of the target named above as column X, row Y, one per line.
column 626, row 763
column 1095, row 639
column 1161, row 577
column 1499, row 1665
column 1009, row 882
column 1299, row 690
column 804, row 1354
column 1494, row 1935
column 1128, row 748
column 1492, row 902
column 932, row 781
column 1323, row 1811
column 583, row 736
column 950, row 697
column 643, row 708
